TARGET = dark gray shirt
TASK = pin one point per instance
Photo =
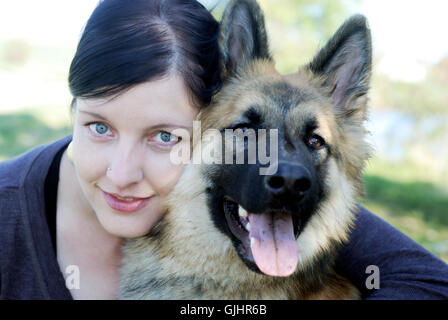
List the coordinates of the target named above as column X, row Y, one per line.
column 28, row 264
column 29, row 268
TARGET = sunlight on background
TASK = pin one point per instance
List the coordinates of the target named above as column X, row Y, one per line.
column 409, row 36
column 407, row 180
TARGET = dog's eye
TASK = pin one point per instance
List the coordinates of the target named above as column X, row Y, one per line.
column 243, row 127
column 316, row 141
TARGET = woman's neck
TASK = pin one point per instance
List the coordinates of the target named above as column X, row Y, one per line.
column 82, row 240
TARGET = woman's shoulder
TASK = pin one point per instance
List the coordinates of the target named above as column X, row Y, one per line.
column 22, row 178
column 14, row 171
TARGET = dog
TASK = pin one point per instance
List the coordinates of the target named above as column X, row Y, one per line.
column 233, row 233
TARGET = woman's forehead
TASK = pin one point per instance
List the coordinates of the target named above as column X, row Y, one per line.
column 165, row 100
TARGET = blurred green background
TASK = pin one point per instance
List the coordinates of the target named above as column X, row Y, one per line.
column 406, row 180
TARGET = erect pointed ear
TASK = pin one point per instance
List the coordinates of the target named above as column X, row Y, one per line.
column 345, row 62
column 243, row 35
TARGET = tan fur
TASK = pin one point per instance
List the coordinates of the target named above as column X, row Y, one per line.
column 171, row 262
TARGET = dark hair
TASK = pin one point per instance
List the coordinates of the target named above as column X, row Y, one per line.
column 125, row 43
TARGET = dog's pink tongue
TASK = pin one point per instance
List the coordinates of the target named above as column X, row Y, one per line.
column 273, row 244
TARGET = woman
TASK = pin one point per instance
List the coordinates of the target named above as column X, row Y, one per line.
column 142, row 69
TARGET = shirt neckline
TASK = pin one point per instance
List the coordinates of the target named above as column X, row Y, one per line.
column 36, row 229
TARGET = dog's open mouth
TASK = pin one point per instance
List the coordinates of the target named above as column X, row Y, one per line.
column 267, row 238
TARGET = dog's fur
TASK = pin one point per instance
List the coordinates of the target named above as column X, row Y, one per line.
column 191, row 253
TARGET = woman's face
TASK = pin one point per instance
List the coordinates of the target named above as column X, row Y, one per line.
column 121, row 152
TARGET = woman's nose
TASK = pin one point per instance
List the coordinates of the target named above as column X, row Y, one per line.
column 125, row 168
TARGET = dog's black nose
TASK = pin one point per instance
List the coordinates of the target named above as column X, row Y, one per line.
column 290, row 178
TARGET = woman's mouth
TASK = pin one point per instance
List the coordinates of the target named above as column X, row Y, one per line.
column 125, row 204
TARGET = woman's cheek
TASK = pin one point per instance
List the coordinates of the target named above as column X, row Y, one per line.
column 90, row 159
column 164, row 174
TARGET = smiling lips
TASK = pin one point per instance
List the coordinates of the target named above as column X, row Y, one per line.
column 125, row 204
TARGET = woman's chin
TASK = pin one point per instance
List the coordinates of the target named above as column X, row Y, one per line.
column 132, row 225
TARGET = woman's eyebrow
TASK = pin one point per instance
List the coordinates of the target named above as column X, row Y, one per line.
column 166, row 125
column 157, row 126
column 93, row 114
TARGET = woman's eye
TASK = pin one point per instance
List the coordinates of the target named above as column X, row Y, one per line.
column 99, row 128
column 167, row 137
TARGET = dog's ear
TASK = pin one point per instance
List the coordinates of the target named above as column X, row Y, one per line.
column 344, row 63
column 243, row 35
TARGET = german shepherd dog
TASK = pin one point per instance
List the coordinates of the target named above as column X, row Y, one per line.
column 233, row 233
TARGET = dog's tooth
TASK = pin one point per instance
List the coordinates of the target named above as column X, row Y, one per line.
column 247, row 226
column 242, row 212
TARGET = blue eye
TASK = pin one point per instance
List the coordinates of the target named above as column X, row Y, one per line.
column 99, row 128
column 165, row 136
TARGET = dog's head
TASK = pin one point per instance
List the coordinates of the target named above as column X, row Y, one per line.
column 311, row 121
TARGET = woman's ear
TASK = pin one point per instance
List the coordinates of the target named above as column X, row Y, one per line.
column 345, row 62
column 243, row 35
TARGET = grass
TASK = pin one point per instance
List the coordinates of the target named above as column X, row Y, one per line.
column 413, row 199
column 21, row 131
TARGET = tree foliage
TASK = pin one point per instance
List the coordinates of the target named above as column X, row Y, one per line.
column 297, row 28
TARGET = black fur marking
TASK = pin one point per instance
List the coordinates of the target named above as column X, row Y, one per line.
column 309, row 127
column 253, row 115
column 245, row 186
